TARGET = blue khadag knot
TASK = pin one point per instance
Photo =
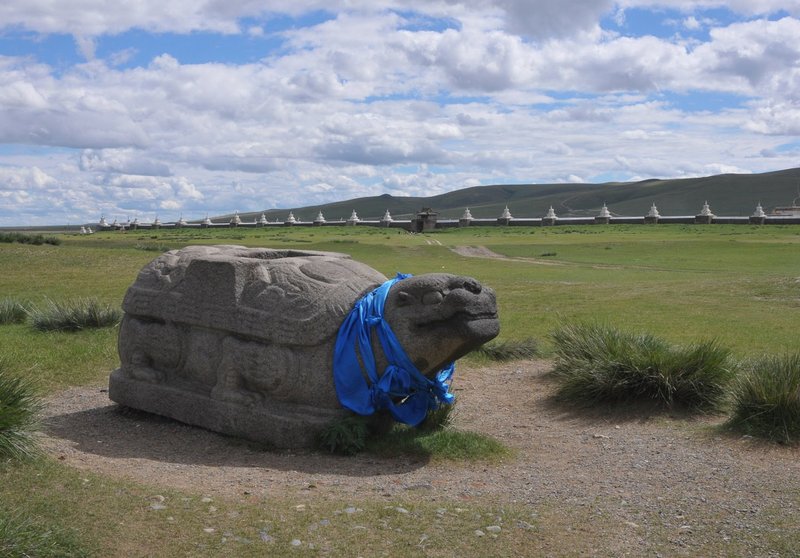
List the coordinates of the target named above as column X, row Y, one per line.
column 401, row 389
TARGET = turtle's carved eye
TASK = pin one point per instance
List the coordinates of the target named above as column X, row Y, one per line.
column 432, row 297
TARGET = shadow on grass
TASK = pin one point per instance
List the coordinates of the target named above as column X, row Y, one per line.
column 112, row 431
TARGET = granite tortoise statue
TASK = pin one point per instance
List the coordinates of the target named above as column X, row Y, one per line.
column 240, row 340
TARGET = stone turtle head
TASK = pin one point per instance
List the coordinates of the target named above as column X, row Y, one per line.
column 438, row 317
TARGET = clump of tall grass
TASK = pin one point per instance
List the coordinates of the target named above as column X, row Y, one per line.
column 347, row 436
column 12, row 311
column 21, row 535
column 74, row 315
column 509, row 350
column 766, row 399
column 19, row 406
column 156, row 247
column 37, row 239
column 597, row 363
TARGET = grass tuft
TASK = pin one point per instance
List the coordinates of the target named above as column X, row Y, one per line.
column 347, row 436
column 433, row 438
column 501, row 351
column 22, row 536
column 445, row 444
column 19, row 406
column 74, row 315
column 12, row 311
column 766, row 399
column 597, row 363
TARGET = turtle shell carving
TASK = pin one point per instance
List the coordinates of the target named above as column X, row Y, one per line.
column 287, row 297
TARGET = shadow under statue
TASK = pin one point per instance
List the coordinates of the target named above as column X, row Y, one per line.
column 241, row 340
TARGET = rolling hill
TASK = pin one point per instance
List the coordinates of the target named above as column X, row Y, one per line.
column 727, row 194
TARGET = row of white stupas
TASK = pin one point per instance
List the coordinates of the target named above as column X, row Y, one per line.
column 605, row 213
column 387, row 218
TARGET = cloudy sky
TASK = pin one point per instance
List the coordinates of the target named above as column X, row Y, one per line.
column 195, row 107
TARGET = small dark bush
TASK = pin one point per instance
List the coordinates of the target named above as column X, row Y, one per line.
column 766, row 399
column 74, row 315
column 12, row 311
column 347, row 436
column 19, row 405
column 597, row 363
column 548, row 254
column 502, row 351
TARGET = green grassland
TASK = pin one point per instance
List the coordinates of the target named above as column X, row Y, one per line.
column 737, row 284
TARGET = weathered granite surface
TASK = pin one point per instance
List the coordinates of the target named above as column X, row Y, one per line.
column 240, row 340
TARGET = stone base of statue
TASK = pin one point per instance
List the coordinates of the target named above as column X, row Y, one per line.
column 755, row 220
column 602, row 220
column 703, row 219
column 269, row 422
column 548, row 222
column 650, row 220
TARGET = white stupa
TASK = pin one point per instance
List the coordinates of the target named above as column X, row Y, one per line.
column 291, row 219
column 83, row 230
column 262, row 220
column 236, row 220
column 551, row 214
column 353, row 217
column 467, row 215
column 604, row 212
column 103, row 223
column 387, row 217
column 653, row 211
column 207, row 221
column 706, row 211
column 181, row 221
column 759, row 212
column 506, row 214
column 320, row 218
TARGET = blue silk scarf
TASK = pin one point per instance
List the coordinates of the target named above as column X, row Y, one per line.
column 402, row 388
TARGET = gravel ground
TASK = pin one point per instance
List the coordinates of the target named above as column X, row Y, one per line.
column 644, row 474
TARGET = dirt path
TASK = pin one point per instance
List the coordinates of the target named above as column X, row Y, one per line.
column 637, row 472
column 484, row 252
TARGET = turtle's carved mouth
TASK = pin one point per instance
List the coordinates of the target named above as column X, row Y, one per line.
column 461, row 317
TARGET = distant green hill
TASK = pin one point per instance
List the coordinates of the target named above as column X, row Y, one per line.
column 727, row 194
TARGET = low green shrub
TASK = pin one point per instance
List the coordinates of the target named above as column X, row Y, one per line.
column 74, row 315
column 12, row 311
column 36, row 239
column 347, row 436
column 502, row 351
column 597, row 363
column 22, row 536
column 766, row 399
column 19, row 406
